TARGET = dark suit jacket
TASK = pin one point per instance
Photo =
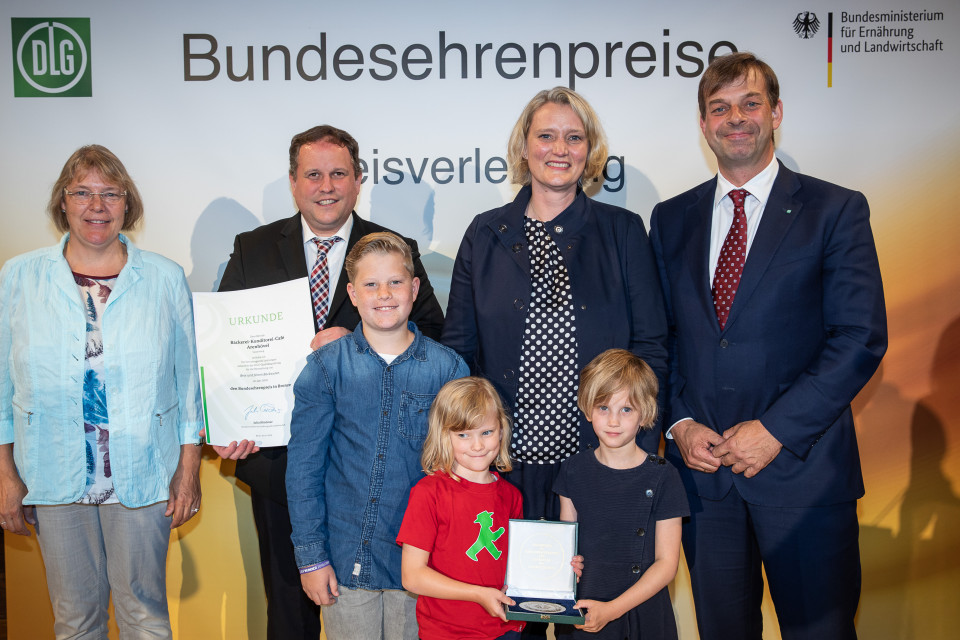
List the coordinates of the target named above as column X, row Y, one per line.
column 616, row 293
column 806, row 331
column 273, row 253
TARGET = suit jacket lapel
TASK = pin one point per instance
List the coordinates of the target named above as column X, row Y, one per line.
column 778, row 214
column 290, row 246
column 697, row 223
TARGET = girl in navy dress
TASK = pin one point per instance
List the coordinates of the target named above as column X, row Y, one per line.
column 629, row 504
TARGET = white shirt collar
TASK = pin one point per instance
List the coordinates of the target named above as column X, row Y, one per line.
column 759, row 186
column 343, row 232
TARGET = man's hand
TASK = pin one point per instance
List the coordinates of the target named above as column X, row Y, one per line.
column 235, row 450
column 321, row 585
column 747, row 448
column 326, row 336
column 696, row 443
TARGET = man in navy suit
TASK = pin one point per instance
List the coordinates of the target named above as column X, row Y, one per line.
column 777, row 320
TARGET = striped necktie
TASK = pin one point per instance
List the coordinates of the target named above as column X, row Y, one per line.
column 320, row 280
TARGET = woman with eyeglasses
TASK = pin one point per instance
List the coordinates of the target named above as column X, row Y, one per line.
column 99, row 405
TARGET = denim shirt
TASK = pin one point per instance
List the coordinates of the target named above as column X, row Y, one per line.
column 356, row 436
column 152, row 382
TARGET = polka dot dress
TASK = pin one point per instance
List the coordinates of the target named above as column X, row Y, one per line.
column 546, row 423
column 733, row 255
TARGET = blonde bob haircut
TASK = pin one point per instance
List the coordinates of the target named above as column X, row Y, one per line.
column 615, row 370
column 95, row 157
column 596, row 139
column 380, row 243
column 463, row 404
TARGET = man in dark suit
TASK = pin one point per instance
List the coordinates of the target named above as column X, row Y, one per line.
column 325, row 180
column 777, row 320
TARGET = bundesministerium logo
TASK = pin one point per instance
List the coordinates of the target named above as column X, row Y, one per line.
column 806, row 24
column 51, row 57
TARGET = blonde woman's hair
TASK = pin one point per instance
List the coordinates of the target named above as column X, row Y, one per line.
column 596, row 139
column 615, row 370
column 380, row 243
column 460, row 405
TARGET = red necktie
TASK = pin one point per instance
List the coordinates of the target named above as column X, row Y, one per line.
column 320, row 280
column 726, row 279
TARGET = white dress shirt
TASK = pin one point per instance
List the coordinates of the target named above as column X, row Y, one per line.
column 759, row 187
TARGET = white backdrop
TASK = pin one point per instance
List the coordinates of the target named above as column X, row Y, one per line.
column 210, row 156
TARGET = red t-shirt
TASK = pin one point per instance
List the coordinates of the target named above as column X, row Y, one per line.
column 446, row 518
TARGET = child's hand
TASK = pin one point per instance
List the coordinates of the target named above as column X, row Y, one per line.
column 492, row 601
column 598, row 614
column 577, row 564
column 321, row 585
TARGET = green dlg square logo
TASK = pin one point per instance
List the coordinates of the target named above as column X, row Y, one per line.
column 51, row 58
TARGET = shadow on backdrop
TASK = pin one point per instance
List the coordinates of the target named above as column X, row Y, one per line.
column 212, row 241
column 409, row 209
column 635, row 193
column 911, row 581
column 882, row 415
column 278, row 202
column 930, row 512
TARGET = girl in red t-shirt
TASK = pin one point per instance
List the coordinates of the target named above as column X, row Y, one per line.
column 454, row 532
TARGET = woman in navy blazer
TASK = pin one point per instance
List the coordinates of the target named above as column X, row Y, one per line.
column 556, row 145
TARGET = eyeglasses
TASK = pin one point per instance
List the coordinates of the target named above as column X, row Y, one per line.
column 85, row 197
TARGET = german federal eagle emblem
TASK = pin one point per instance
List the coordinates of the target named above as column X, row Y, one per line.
column 806, row 24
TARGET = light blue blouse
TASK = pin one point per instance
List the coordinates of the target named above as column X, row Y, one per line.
column 153, row 388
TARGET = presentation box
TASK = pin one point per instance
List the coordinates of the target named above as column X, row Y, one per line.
column 540, row 578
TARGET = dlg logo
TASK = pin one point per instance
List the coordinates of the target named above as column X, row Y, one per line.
column 51, row 57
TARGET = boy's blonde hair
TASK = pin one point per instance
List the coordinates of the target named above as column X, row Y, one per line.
column 380, row 243
column 617, row 369
column 460, row 405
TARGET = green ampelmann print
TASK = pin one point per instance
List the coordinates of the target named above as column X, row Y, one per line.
column 486, row 537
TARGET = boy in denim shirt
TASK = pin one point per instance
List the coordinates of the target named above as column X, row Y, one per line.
column 358, row 426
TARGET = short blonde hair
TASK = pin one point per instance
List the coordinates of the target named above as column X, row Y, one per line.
column 612, row 371
column 95, row 157
column 596, row 139
column 460, row 405
column 380, row 243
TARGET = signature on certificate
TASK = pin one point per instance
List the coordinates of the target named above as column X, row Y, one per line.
column 253, row 409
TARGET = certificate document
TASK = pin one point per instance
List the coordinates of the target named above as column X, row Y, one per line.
column 251, row 346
